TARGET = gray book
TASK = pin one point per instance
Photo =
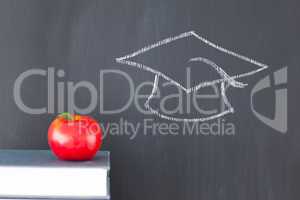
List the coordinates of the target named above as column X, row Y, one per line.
column 38, row 174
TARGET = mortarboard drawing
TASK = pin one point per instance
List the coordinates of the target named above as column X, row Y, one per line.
column 202, row 51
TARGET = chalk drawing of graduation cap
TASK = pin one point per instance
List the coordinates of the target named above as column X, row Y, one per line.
column 159, row 58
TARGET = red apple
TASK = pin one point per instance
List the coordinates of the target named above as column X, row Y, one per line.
column 74, row 137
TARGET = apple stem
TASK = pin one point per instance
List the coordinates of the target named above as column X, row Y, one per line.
column 66, row 115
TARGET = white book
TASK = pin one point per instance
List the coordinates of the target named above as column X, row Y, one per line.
column 37, row 174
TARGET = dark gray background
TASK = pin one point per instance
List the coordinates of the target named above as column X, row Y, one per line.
column 82, row 37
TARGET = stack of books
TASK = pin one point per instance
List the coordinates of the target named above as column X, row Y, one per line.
column 38, row 174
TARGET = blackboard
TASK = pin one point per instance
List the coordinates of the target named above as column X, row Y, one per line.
column 76, row 40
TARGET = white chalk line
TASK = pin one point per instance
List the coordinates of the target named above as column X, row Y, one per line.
column 225, row 77
column 225, row 99
column 157, row 44
column 189, row 90
column 220, row 71
column 181, row 36
column 154, row 89
column 167, row 117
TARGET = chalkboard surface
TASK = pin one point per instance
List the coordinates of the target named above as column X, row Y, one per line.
column 252, row 153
